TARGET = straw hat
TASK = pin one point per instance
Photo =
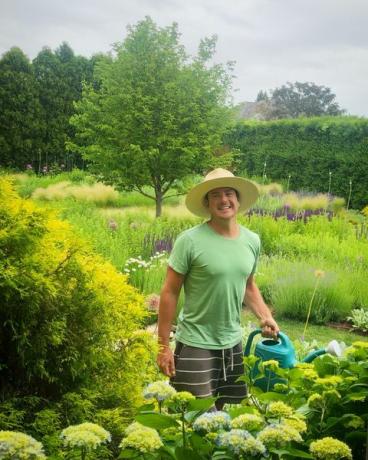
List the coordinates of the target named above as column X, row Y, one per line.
column 248, row 191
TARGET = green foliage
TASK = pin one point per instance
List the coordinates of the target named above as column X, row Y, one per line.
column 20, row 127
column 307, row 150
column 59, row 75
column 299, row 99
column 289, row 286
column 333, row 395
column 359, row 318
column 156, row 117
column 69, row 319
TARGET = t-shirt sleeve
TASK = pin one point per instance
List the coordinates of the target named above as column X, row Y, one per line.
column 181, row 254
column 257, row 251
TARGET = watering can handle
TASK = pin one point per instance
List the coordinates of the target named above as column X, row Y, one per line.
column 284, row 340
column 250, row 340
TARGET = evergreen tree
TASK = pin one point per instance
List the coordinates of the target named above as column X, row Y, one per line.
column 20, row 122
column 60, row 76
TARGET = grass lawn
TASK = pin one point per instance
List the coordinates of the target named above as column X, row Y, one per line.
column 323, row 334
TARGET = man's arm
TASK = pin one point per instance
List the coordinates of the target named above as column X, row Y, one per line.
column 168, row 302
column 254, row 300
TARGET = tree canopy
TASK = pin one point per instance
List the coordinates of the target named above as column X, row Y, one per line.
column 299, row 99
column 157, row 115
column 36, row 103
column 20, row 128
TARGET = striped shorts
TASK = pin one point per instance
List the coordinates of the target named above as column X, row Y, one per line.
column 207, row 373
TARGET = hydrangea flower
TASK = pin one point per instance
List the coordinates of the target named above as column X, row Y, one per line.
column 253, row 447
column 330, row 449
column 315, row 401
column 309, row 373
column 330, row 381
column 278, row 435
column 86, row 435
column 278, row 409
column 271, row 365
column 20, row 446
column 182, row 399
column 135, row 426
column 142, row 439
column 160, row 390
column 304, row 365
column 241, row 442
column 281, row 387
column 249, row 422
column 212, row 421
column 297, row 423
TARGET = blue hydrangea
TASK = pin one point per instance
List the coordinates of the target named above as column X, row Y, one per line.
column 160, row 390
column 241, row 442
column 212, row 421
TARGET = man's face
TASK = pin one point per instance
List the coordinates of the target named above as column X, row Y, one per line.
column 223, row 202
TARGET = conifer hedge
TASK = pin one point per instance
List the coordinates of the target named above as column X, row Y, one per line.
column 307, row 149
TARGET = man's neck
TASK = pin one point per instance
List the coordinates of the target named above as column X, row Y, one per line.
column 225, row 227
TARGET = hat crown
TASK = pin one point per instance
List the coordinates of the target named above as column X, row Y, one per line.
column 218, row 173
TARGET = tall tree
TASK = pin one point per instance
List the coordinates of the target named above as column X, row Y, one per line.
column 48, row 73
column 299, row 99
column 157, row 116
column 60, row 75
column 20, row 125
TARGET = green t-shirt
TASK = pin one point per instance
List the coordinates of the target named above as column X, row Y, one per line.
column 216, row 270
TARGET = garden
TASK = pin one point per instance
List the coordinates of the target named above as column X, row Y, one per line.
column 96, row 156
column 82, row 267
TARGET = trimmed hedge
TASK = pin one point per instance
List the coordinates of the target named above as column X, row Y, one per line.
column 307, row 149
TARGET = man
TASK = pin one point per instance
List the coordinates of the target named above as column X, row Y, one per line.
column 216, row 262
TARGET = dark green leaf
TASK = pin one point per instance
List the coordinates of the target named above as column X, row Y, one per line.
column 291, row 452
column 146, row 408
column 158, row 421
column 201, row 404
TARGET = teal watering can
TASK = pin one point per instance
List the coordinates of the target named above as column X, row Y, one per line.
column 282, row 350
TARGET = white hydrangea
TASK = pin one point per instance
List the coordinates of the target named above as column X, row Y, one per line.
column 160, row 390
column 278, row 435
column 141, row 438
column 250, row 422
column 241, row 442
column 86, row 435
column 212, row 421
column 20, row 446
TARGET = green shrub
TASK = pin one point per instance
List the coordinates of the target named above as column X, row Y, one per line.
column 68, row 318
column 359, row 318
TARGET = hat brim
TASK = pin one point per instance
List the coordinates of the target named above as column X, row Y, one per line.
column 248, row 194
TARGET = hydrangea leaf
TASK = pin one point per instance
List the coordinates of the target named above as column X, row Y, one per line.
column 157, row 421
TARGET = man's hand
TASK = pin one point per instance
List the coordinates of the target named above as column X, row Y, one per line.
column 165, row 361
column 270, row 328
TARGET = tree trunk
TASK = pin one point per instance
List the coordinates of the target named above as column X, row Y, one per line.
column 159, row 198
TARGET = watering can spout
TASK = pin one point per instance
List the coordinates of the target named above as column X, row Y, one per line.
column 313, row 355
column 333, row 348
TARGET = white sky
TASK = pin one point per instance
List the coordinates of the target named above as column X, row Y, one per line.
column 272, row 41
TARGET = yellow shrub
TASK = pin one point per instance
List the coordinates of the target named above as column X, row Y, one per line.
column 69, row 318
